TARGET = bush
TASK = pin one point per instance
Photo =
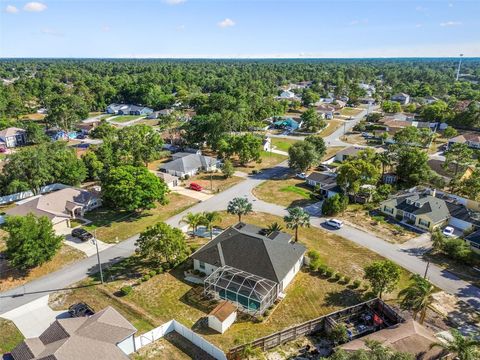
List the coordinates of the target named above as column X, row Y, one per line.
column 346, row 279
column 339, row 334
column 166, row 266
column 159, row 270
column 322, row 269
column 125, row 290
column 315, row 264
column 254, row 172
column 145, row 277
column 186, row 177
column 267, row 313
column 356, row 283
column 152, row 273
column 334, row 205
column 328, row 272
column 337, row 276
column 458, row 250
column 313, row 255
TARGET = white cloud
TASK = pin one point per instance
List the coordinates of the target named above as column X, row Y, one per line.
column 35, row 6
column 226, row 23
column 11, row 9
column 174, row 2
column 450, row 23
column 52, row 32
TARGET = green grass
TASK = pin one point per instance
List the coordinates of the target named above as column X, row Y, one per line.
column 125, row 118
column 268, row 160
column 297, row 190
column 10, row 336
column 285, row 191
column 283, row 144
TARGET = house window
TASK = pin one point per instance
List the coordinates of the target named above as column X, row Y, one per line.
column 388, row 210
column 424, row 223
column 474, row 245
column 201, row 265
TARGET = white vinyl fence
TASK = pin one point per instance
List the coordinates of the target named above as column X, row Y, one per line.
column 173, row 325
column 26, row 194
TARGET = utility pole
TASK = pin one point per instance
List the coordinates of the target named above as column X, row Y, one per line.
column 98, row 254
column 458, row 69
column 426, row 269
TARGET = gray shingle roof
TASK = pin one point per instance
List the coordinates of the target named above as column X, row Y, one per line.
column 244, row 248
column 189, row 162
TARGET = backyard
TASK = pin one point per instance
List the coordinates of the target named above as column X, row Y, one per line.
column 283, row 144
column 285, row 191
column 165, row 296
column 9, row 336
column 113, row 225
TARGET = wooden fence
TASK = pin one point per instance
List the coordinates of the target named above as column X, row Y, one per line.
column 313, row 326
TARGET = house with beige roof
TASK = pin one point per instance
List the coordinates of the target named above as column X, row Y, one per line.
column 59, row 206
column 471, row 139
column 13, row 137
column 104, row 335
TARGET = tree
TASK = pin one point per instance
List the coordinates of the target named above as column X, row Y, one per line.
column 35, row 133
column 319, row 145
column 239, row 206
column 297, row 218
column 408, row 136
column 383, row 276
column 417, row 296
column 273, row 227
column 438, row 240
column 162, row 243
column 376, row 351
column 31, row 241
column 192, row 220
column 93, row 165
column 471, row 186
column 65, row 111
column 311, row 121
column 103, row 131
column 460, row 155
column 450, row 132
column 132, row 188
column 302, row 155
column 309, row 97
column 209, row 219
column 412, row 168
column 436, row 112
column 334, row 205
column 138, row 144
column 247, row 147
column 356, row 172
column 228, row 170
column 391, row 106
column 462, row 347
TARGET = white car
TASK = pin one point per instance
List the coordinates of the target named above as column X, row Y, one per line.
column 301, row 175
column 334, row 223
column 449, row 231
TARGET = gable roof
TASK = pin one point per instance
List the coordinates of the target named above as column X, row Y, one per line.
column 11, row 131
column 243, row 247
column 95, row 337
column 223, row 310
column 327, row 181
column 351, row 150
column 189, row 162
column 468, row 137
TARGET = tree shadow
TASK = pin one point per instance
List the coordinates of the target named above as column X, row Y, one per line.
column 343, row 298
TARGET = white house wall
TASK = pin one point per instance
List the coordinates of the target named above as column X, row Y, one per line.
column 127, row 345
column 219, row 326
column 208, row 268
column 291, row 274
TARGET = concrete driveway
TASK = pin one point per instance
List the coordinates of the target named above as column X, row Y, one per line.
column 34, row 318
column 87, row 247
column 199, row 195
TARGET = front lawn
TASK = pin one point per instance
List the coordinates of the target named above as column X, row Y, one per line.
column 331, row 151
column 285, row 191
column 283, row 144
column 348, row 111
column 125, row 118
column 268, row 160
column 333, row 125
column 216, row 183
column 10, row 336
column 112, row 225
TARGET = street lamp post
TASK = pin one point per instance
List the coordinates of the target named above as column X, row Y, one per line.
column 98, row 255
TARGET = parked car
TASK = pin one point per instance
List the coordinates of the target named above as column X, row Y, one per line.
column 323, row 167
column 80, row 310
column 334, row 223
column 195, row 186
column 81, row 136
column 301, row 175
column 448, row 231
column 82, row 234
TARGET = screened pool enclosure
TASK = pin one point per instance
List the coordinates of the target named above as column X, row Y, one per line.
column 251, row 293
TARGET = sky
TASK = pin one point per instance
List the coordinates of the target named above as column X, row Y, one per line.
column 239, row 28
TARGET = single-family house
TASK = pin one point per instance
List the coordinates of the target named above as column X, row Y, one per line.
column 427, row 210
column 59, row 206
column 287, row 95
column 249, row 266
column 12, row 137
column 367, row 100
column 326, row 111
column 160, row 113
column 430, row 100
column 127, row 109
column 104, row 335
column 287, row 124
column 222, row 317
column 471, row 139
column 473, row 240
column 402, row 98
column 348, row 152
column 327, row 183
column 187, row 164
column 171, row 180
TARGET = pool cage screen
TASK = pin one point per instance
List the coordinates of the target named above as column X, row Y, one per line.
column 251, row 293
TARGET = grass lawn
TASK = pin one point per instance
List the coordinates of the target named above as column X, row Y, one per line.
column 11, row 278
column 348, row 111
column 112, row 225
column 159, row 350
column 75, row 223
column 333, row 125
column 9, row 336
column 285, row 191
column 331, row 151
column 154, row 165
column 125, row 118
column 268, row 160
column 218, row 183
column 283, row 143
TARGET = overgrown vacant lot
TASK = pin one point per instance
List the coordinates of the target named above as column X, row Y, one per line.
column 285, row 191
column 112, row 225
column 218, row 181
column 268, row 160
column 166, row 296
column 9, row 336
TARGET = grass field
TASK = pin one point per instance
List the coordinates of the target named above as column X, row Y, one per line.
column 9, row 336
column 218, row 181
column 333, row 125
column 331, row 151
column 111, row 225
column 125, row 118
column 285, row 191
column 283, row 143
column 268, row 160
column 348, row 111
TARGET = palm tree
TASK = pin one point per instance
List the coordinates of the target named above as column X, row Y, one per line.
column 192, row 220
column 239, row 206
column 273, row 227
column 462, row 347
column 209, row 218
column 417, row 296
column 296, row 218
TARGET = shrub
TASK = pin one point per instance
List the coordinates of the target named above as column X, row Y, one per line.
column 322, row 269
column 356, row 283
column 145, row 277
column 186, row 177
column 196, row 272
column 328, row 272
column 166, row 266
column 315, row 264
column 125, row 290
column 254, row 172
column 152, row 273
column 267, row 313
column 337, row 276
column 458, row 250
column 338, row 334
column 346, row 279
column 313, row 255
column 159, row 270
